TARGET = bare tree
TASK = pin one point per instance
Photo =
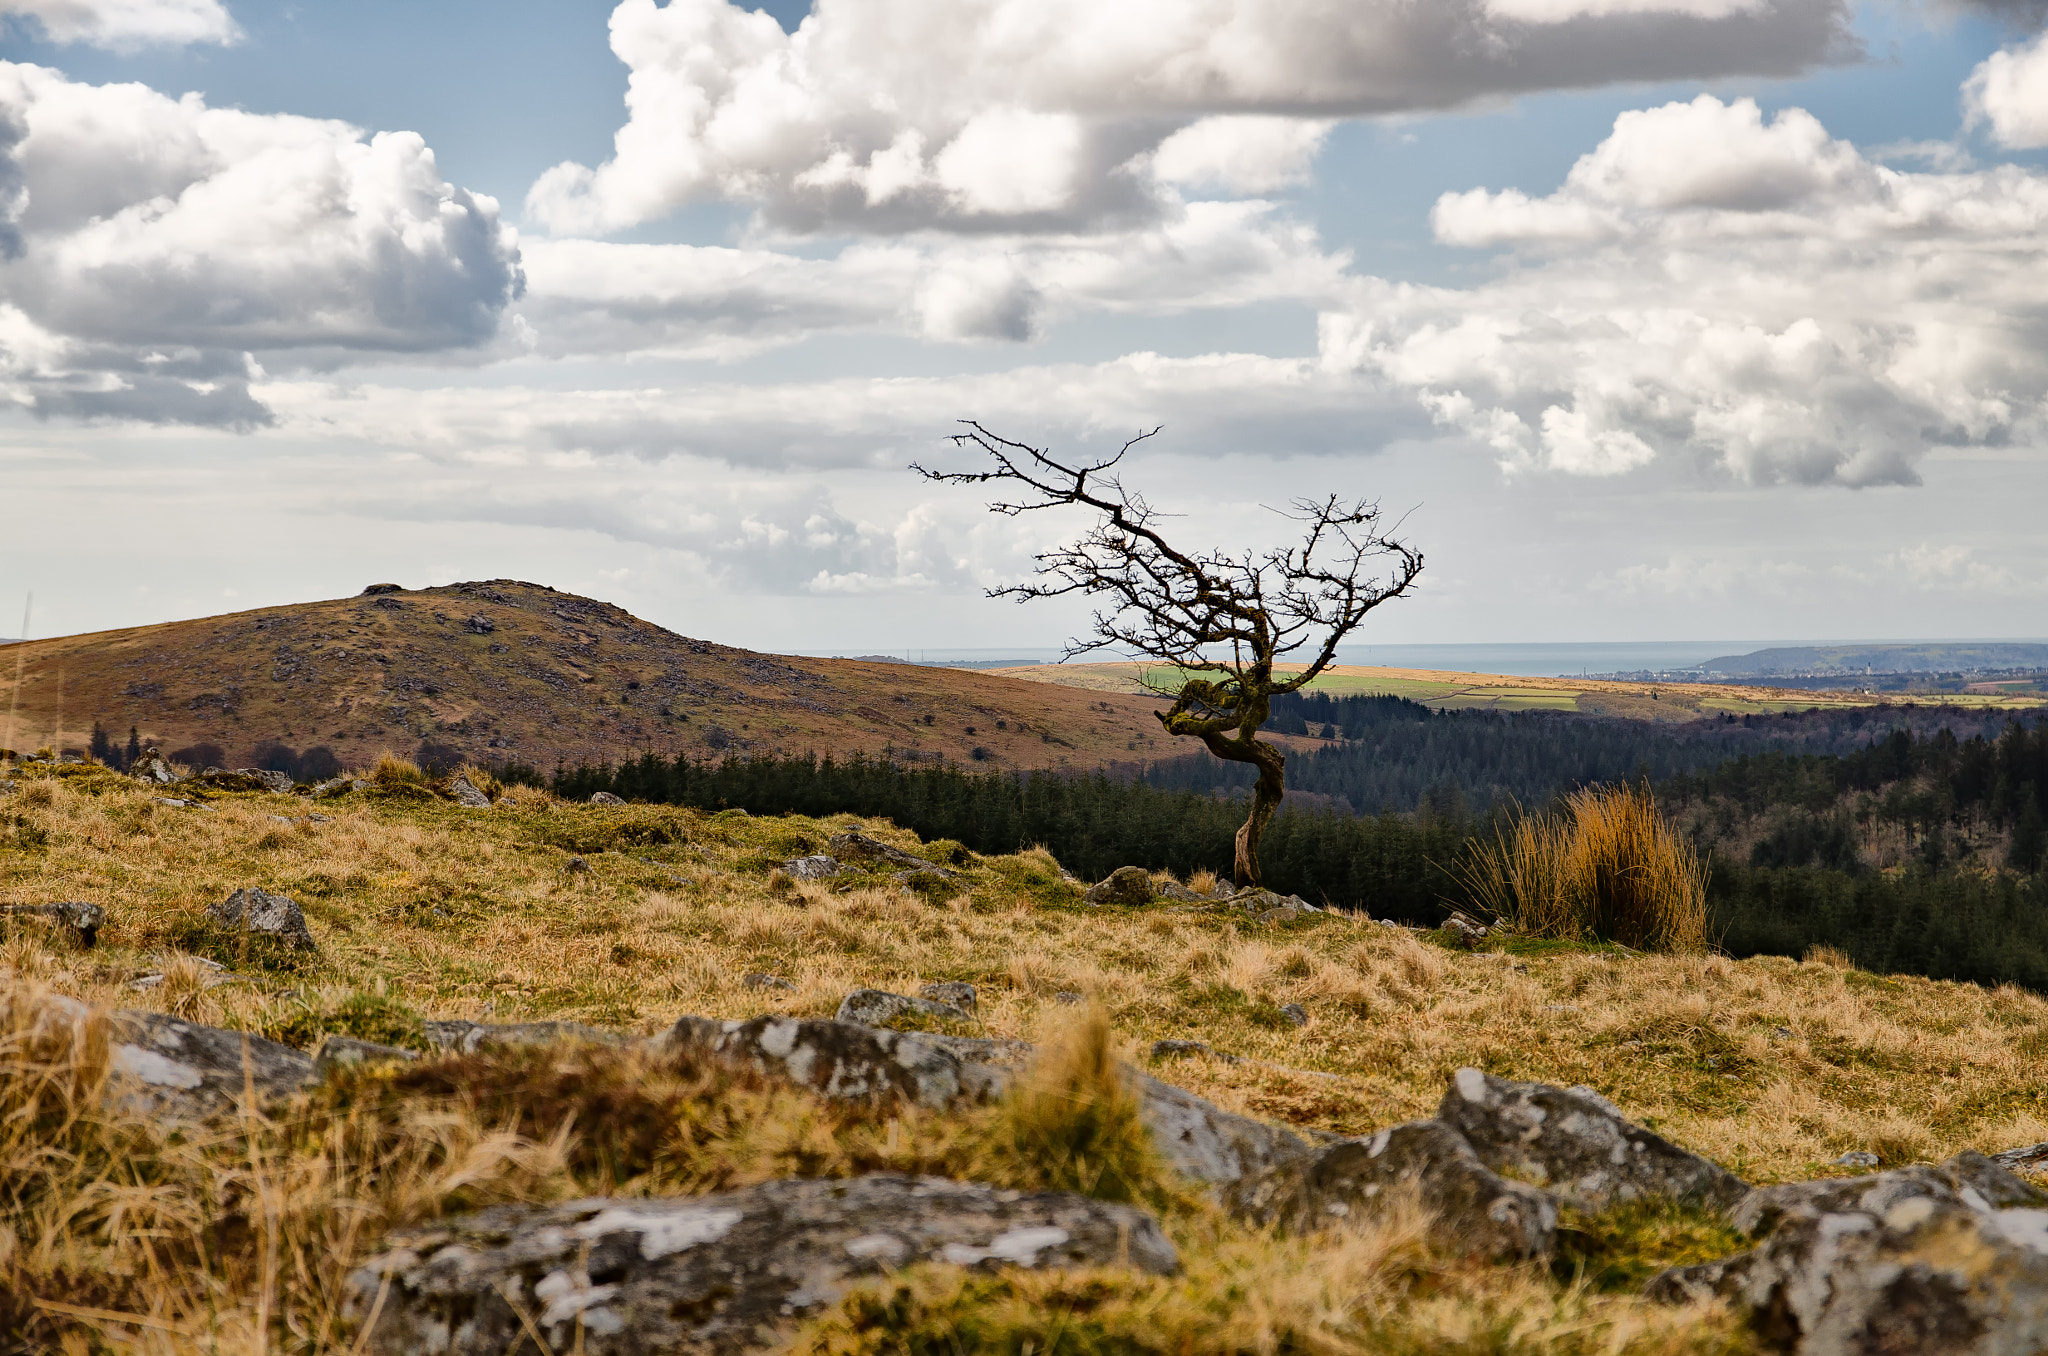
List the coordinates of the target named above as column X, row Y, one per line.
column 1219, row 621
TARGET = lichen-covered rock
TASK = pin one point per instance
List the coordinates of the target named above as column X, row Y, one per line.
column 245, row 779
column 1203, row 1141
column 605, row 798
column 718, row 1274
column 2028, row 1158
column 1472, row 1207
column 951, row 991
column 466, row 1038
column 340, row 1051
column 468, row 795
column 1577, row 1144
column 264, row 915
column 877, row 1007
column 817, row 866
column 842, row 1060
column 1125, row 885
column 152, row 768
column 1927, row 1277
column 854, row 846
column 1969, row 1179
column 181, row 1069
column 84, row 920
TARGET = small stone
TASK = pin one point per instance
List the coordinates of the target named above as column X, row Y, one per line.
column 605, row 798
column 951, row 992
column 575, row 864
column 1069, row 997
column 1857, row 1158
column 1295, row 1013
column 1783, row 1033
column 817, row 866
column 266, row 915
column 765, row 982
column 466, row 794
column 1125, row 885
column 853, row 846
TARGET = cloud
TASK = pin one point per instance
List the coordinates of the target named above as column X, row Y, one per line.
column 1748, row 293
column 1060, row 115
column 154, row 244
column 126, row 24
column 2009, row 90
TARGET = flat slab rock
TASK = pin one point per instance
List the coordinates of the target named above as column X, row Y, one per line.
column 874, row 1007
column 466, row 1038
column 721, row 1274
column 1575, row 1143
column 1927, row 1277
column 180, row 1068
column 1472, row 1208
column 1969, row 1179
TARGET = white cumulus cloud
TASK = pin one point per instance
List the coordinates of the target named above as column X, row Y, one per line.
column 976, row 115
column 126, row 24
column 2009, row 90
column 1750, row 293
column 157, row 251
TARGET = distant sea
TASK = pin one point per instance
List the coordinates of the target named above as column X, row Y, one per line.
column 1564, row 660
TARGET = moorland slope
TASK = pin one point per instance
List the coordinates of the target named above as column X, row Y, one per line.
column 502, row 671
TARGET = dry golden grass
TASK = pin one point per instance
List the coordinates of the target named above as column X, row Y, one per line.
column 422, row 909
column 1607, row 867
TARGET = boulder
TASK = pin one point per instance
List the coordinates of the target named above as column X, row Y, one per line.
column 842, row 1060
column 717, row 1274
column 480, row 625
column 1465, row 932
column 765, row 982
column 1927, row 1277
column 245, row 779
column 466, row 1038
column 2027, row 1158
column 1203, row 1141
column 180, row 1069
column 372, row 590
column 1295, row 1013
column 1472, row 1208
column 953, row 992
column 335, row 786
column 605, row 798
column 1178, row 893
column 1969, row 1179
column 337, row 1052
column 853, row 846
column 1125, row 885
column 875, row 1007
column 817, row 866
column 84, row 920
column 465, row 793
column 264, row 915
column 1576, row 1143
column 152, row 768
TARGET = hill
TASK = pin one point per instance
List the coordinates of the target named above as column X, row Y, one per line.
column 503, row 671
column 1813, row 661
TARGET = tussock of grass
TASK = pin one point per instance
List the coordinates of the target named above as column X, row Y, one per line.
column 1608, row 868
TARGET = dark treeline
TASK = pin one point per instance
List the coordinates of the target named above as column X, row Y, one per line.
column 1092, row 824
column 1401, row 755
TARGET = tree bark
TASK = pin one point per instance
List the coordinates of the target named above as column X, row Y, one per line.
column 1266, row 796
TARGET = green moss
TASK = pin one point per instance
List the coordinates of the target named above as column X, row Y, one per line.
column 361, row 1016
column 1621, row 1248
column 237, row 948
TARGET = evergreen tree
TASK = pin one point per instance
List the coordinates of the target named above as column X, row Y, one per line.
column 133, row 754
column 101, row 745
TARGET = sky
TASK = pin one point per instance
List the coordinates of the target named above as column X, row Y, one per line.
column 1646, row 320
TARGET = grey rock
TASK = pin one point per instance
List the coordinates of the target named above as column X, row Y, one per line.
column 183, row 1070
column 2027, row 1158
column 1578, row 1146
column 372, row 590
column 853, row 846
column 817, row 866
column 340, row 1051
column 1857, row 1158
column 1295, row 1013
column 1069, row 998
column 1969, row 1179
column 1178, row 893
column 1927, row 1277
column 245, row 779
column 842, row 1060
column 1473, row 1208
column 716, row 1274
column 466, row 1038
column 465, row 793
column 84, row 920
column 605, row 798
column 480, row 625
column 951, row 991
column 1207, row 1143
column 1262, row 901
column 264, row 915
column 1125, row 885
column 875, row 1007
column 576, row 864
column 335, row 786
column 152, row 768
column 1465, row 932
column 765, row 982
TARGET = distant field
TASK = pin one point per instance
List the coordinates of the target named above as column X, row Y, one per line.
column 1667, row 702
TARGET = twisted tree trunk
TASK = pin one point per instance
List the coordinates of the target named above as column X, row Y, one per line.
column 1266, row 796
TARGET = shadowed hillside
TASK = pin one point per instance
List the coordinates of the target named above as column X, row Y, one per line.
column 504, row 670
